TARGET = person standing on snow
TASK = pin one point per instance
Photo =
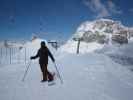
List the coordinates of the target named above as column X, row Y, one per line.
column 43, row 54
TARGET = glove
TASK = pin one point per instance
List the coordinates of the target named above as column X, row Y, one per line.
column 31, row 58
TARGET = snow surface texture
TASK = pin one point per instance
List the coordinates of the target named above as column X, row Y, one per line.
column 122, row 54
column 86, row 76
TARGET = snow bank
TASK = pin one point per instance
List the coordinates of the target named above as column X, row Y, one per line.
column 71, row 47
column 122, row 54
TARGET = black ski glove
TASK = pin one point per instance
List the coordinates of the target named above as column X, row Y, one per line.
column 31, row 58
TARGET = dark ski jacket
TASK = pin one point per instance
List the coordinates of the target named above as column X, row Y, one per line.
column 43, row 54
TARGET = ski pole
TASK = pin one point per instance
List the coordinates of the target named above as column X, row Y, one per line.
column 26, row 71
column 58, row 73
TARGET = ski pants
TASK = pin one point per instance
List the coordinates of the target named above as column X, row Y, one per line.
column 46, row 74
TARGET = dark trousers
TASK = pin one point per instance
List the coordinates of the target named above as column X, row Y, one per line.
column 46, row 74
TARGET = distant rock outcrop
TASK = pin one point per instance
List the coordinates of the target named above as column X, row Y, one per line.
column 101, row 30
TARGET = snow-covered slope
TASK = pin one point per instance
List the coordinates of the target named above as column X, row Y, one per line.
column 86, row 77
column 95, row 34
column 122, row 54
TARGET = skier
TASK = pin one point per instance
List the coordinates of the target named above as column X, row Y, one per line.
column 43, row 54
